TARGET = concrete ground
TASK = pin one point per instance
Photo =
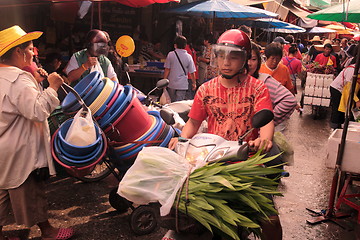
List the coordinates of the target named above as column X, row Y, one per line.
column 85, row 206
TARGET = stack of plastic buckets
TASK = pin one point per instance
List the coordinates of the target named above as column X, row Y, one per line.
column 121, row 116
column 77, row 160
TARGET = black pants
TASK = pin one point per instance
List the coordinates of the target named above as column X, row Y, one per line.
column 337, row 118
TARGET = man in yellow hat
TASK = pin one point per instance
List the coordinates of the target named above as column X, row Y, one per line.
column 312, row 51
column 25, row 158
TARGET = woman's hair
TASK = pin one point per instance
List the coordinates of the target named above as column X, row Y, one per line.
column 210, row 38
column 256, row 49
column 9, row 53
column 273, row 49
column 354, row 52
column 293, row 49
column 289, row 38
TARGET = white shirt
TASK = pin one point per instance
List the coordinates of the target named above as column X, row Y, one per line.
column 73, row 64
column 344, row 76
column 178, row 79
column 24, row 130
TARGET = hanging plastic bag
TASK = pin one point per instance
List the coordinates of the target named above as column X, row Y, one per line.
column 285, row 147
column 82, row 129
column 156, row 176
column 165, row 97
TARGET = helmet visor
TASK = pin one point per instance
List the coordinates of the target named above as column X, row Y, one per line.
column 221, row 52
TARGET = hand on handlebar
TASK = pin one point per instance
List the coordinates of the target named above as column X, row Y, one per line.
column 261, row 143
column 173, row 143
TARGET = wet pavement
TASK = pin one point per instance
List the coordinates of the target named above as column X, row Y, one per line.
column 85, row 206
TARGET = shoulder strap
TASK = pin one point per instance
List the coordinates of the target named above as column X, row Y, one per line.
column 180, row 62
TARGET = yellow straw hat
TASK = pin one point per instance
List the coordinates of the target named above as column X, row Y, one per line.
column 15, row 36
column 315, row 39
column 321, row 48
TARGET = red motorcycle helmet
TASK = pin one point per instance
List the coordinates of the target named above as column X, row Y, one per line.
column 235, row 38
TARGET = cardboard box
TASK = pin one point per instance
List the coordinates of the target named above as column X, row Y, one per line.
column 351, row 157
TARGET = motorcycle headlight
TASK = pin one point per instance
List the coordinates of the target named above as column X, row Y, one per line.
column 219, row 153
column 195, row 154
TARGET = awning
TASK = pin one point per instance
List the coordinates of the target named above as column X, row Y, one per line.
column 307, row 23
column 297, row 11
column 275, row 7
column 319, row 4
column 251, row 2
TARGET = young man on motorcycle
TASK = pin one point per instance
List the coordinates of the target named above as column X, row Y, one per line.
column 229, row 101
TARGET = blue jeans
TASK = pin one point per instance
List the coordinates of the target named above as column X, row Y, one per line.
column 176, row 94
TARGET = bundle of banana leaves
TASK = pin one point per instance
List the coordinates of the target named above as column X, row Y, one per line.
column 226, row 197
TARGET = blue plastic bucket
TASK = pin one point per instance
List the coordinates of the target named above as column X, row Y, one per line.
column 88, row 88
column 104, row 106
column 71, row 160
column 121, row 103
column 73, row 149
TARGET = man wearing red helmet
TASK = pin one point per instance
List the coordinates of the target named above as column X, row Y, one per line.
column 229, row 101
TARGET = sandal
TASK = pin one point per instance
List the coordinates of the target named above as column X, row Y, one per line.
column 63, row 234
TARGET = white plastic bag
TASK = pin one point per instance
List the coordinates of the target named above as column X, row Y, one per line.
column 156, row 176
column 82, row 130
column 165, row 97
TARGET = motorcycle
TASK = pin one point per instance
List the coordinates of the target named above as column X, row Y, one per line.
column 209, row 148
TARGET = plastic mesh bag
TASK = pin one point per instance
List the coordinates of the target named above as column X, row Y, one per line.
column 285, row 147
column 156, row 176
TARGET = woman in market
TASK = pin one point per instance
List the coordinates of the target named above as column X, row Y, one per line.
column 24, row 136
column 339, row 90
column 284, row 102
column 293, row 64
column 274, row 67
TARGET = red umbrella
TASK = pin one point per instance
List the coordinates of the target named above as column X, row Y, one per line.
column 357, row 37
column 131, row 3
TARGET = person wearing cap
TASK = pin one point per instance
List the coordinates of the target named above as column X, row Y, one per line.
column 24, row 136
column 229, row 101
column 90, row 59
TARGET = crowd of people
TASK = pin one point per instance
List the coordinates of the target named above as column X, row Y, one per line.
column 228, row 78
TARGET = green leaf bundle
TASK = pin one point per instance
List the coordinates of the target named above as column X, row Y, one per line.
column 224, row 198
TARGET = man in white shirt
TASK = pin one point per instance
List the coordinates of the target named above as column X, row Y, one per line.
column 177, row 66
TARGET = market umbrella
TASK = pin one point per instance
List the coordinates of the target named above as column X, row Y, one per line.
column 131, row 3
column 270, row 25
column 346, row 12
column 321, row 30
column 220, row 9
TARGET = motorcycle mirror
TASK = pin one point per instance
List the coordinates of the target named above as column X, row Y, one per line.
column 261, row 118
column 167, row 116
column 159, row 85
column 126, row 70
column 162, row 83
